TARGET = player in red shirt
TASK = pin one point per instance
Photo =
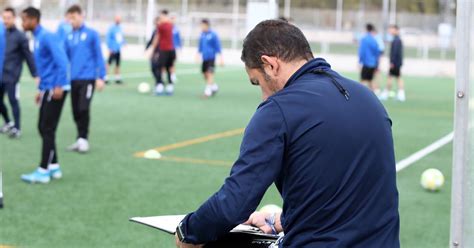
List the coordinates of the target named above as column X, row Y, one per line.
column 164, row 42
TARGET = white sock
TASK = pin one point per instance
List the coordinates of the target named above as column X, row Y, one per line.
column 118, row 77
column 214, row 87
column 42, row 170
column 53, row 166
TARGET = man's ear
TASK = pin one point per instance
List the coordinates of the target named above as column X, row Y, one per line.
column 270, row 65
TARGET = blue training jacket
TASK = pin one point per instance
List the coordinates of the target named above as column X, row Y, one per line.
column 369, row 51
column 209, row 45
column 331, row 158
column 2, row 47
column 114, row 38
column 50, row 59
column 85, row 54
column 176, row 38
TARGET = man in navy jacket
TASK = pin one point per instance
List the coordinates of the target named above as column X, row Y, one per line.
column 87, row 73
column 17, row 50
column 51, row 63
column 324, row 140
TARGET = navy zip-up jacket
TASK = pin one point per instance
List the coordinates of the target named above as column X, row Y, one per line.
column 396, row 52
column 17, row 49
column 326, row 142
column 51, row 61
column 85, row 54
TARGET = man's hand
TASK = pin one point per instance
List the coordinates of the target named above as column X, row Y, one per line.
column 38, row 98
column 259, row 219
column 197, row 58
column 99, row 84
column 58, row 93
column 221, row 61
column 180, row 244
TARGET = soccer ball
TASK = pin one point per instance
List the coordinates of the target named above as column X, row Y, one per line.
column 144, row 87
column 432, row 179
column 271, row 208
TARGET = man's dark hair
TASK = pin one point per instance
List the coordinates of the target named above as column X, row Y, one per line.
column 205, row 21
column 369, row 27
column 74, row 9
column 10, row 9
column 164, row 12
column 32, row 12
column 275, row 38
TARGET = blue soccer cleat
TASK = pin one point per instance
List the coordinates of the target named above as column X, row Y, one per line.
column 55, row 173
column 37, row 177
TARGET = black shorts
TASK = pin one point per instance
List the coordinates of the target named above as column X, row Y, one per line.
column 208, row 66
column 367, row 73
column 166, row 58
column 394, row 71
column 114, row 57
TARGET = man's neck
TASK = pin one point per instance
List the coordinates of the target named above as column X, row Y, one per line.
column 292, row 69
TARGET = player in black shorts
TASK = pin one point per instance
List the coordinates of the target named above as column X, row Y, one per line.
column 396, row 61
column 115, row 41
column 209, row 47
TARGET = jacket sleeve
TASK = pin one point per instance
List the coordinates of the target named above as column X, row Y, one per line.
column 148, row 44
column 109, row 38
column 217, row 44
column 99, row 58
column 361, row 51
column 200, row 48
column 259, row 163
column 25, row 50
column 56, row 50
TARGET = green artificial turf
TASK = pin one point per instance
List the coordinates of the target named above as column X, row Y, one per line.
column 91, row 205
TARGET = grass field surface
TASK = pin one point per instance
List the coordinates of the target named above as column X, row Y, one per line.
column 100, row 190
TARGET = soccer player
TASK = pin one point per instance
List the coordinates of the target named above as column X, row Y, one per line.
column 155, row 53
column 369, row 53
column 209, row 47
column 115, row 41
column 51, row 64
column 396, row 62
column 177, row 46
column 163, row 41
column 17, row 50
column 64, row 28
column 87, row 73
column 324, row 140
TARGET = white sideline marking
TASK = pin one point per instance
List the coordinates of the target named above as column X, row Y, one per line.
column 424, row 152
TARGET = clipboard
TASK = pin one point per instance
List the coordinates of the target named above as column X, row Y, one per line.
column 242, row 236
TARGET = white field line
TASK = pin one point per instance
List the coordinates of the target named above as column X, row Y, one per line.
column 424, row 152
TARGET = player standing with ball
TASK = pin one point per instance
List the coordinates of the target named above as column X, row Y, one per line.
column 326, row 143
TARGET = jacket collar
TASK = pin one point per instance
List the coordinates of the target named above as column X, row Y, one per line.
column 37, row 30
column 314, row 64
